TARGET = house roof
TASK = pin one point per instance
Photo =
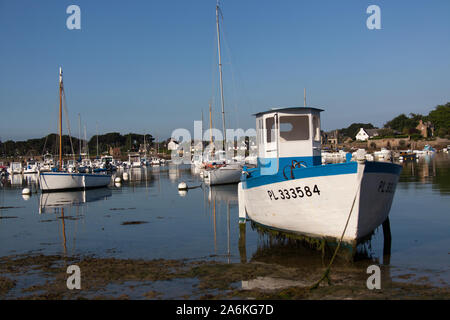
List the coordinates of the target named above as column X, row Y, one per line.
column 371, row 132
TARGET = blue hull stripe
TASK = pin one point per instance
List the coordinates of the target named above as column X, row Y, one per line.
column 257, row 180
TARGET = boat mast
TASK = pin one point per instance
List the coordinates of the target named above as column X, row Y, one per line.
column 210, row 129
column 86, row 146
column 220, row 73
column 96, row 125
column 60, row 117
column 145, row 149
column 79, row 132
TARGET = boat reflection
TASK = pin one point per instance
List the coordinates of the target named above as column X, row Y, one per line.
column 50, row 201
column 16, row 180
column 218, row 196
column 174, row 172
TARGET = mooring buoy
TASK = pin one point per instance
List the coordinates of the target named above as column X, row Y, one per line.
column 26, row 191
column 182, row 186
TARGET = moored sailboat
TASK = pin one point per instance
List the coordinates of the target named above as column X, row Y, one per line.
column 62, row 180
column 227, row 173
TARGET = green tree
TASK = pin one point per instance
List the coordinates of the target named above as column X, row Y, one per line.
column 440, row 118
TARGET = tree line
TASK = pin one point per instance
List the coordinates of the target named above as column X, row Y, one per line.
column 71, row 145
column 403, row 125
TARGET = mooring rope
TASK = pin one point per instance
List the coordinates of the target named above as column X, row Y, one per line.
column 328, row 269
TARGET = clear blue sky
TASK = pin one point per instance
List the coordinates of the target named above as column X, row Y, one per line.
column 151, row 65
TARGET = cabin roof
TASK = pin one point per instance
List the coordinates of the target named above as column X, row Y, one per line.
column 288, row 109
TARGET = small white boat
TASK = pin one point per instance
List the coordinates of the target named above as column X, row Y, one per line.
column 155, row 161
column 134, row 160
column 31, row 167
column 383, row 155
column 226, row 174
column 47, row 164
column 291, row 191
column 15, row 168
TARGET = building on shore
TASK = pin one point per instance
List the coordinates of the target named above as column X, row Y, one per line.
column 366, row 134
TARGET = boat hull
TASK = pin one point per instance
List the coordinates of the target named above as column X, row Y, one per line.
column 319, row 201
column 58, row 181
column 224, row 175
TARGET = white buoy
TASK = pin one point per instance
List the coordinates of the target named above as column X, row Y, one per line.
column 182, row 186
column 117, row 180
column 26, row 191
column 125, row 176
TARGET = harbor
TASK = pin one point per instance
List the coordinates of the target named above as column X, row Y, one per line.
column 212, row 255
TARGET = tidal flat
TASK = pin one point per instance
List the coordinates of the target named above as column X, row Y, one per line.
column 44, row 277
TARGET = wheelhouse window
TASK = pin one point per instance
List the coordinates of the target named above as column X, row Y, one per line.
column 270, row 132
column 316, row 128
column 294, row 128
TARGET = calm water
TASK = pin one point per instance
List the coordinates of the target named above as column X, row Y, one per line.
column 147, row 217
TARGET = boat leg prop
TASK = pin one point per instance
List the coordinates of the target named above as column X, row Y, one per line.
column 242, row 212
column 387, row 241
column 242, row 242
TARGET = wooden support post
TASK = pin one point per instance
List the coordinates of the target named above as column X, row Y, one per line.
column 387, row 241
column 242, row 247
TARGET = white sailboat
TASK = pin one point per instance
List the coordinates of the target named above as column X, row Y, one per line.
column 228, row 173
column 62, row 180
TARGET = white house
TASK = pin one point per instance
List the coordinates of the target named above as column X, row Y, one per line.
column 172, row 145
column 365, row 134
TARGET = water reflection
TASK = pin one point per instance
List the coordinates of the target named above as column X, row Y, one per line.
column 52, row 200
column 203, row 222
column 430, row 169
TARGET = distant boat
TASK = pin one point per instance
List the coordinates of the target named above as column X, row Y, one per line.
column 291, row 191
column 62, row 180
column 31, row 167
column 227, row 174
column 15, row 168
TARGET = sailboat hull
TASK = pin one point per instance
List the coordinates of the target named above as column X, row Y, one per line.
column 224, row 175
column 59, row 181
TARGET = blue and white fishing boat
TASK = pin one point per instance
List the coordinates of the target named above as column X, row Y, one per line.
column 63, row 180
column 291, row 191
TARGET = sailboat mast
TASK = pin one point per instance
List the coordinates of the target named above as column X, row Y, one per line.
column 79, row 133
column 220, row 73
column 86, row 150
column 60, row 117
column 210, row 127
column 96, row 125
